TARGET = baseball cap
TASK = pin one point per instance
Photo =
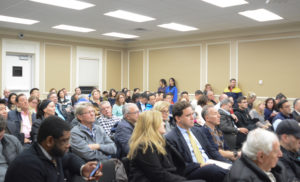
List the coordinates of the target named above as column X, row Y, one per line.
column 289, row 127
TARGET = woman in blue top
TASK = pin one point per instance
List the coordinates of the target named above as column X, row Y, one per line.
column 172, row 89
column 163, row 86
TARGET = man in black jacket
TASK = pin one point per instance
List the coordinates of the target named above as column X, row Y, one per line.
column 194, row 147
column 48, row 160
column 259, row 160
column 288, row 132
column 244, row 120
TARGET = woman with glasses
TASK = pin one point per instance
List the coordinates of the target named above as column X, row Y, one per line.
column 163, row 107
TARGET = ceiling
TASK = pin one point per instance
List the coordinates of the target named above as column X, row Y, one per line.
column 196, row 13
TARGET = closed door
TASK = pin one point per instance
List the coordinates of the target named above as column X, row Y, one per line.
column 89, row 72
column 18, row 76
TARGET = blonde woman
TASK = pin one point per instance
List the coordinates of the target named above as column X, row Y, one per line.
column 257, row 113
column 95, row 100
column 163, row 107
column 250, row 99
column 151, row 158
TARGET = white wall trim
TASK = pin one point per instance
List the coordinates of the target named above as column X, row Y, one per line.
column 271, row 38
column 51, row 43
column 175, row 46
column 90, row 53
column 26, row 47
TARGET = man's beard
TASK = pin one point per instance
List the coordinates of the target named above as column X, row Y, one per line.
column 56, row 152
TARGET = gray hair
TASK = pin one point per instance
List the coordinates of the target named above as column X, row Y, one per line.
column 81, row 106
column 225, row 102
column 222, row 97
column 126, row 107
column 259, row 140
column 205, row 110
column 103, row 103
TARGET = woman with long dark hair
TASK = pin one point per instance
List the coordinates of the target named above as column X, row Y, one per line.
column 172, row 89
column 162, row 86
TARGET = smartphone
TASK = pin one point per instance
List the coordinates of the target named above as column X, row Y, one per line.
column 99, row 165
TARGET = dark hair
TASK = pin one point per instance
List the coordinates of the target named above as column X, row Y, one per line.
column 111, row 91
column 40, row 111
column 173, row 81
column 149, row 95
column 33, row 89
column 266, row 103
column 3, row 101
column 163, row 81
column 9, row 97
column 203, row 101
column 184, row 92
column 198, row 92
column 104, row 92
column 135, row 89
column 77, row 88
column 280, row 104
column 178, row 108
column 59, row 93
column 2, row 123
column 232, row 79
column 240, row 99
column 124, row 90
column 135, row 97
column 52, row 126
column 280, row 96
column 18, row 97
column 144, row 95
column 118, row 97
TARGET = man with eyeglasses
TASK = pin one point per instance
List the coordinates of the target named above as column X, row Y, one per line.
column 125, row 129
column 288, row 132
column 88, row 140
column 284, row 108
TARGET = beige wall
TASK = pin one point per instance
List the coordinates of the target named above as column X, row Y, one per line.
column 182, row 63
column 276, row 62
column 218, row 67
column 57, row 66
column 136, row 65
column 113, row 69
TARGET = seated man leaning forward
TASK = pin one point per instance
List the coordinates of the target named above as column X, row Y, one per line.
column 89, row 141
column 194, row 146
column 48, row 159
column 259, row 161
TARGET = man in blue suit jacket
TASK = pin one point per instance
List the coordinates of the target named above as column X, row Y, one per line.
column 178, row 137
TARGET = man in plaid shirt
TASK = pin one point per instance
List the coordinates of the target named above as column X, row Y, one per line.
column 107, row 120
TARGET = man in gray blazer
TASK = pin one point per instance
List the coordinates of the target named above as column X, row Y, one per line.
column 89, row 141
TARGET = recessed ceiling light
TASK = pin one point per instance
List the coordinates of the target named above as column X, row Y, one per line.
column 73, row 28
column 226, row 3
column 72, row 4
column 11, row 19
column 261, row 15
column 120, row 35
column 178, row 27
column 126, row 15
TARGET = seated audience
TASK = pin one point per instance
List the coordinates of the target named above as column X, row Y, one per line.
column 3, row 109
column 221, row 97
column 159, row 96
column 125, row 129
column 198, row 94
column 211, row 97
column 258, row 162
column 48, row 159
column 59, row 111
column 151, row 101
column 135, row 98
column 106, row 119
column 184, row 96
column 11, row 103
column 95, row 100
column 53, row 90
column 251, row 96
column 288, row 132
column 193, row 146
column 284, row 108
column 257, row 113
column 89, row 141
column 213, row 134
column 244, row 120
column 207, row 88
column 112, row 96
column 6, row 94
column 136, row 90
column 21, row 120
column 75, row 96
column 296, row 112
column 269, row 111
column 203, row 101
column 105, row 96
column 142, row 102
column 128, row 96
column 151, row 157
column 163, row 107
column 35, row 92
column 61, row 98
column 45, row 109
column 228, row 125
column 117, row 108
column 10, row 147
column 33, row 102
column 279, row 97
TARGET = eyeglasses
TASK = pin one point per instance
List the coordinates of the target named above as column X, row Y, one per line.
column 89, row 112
